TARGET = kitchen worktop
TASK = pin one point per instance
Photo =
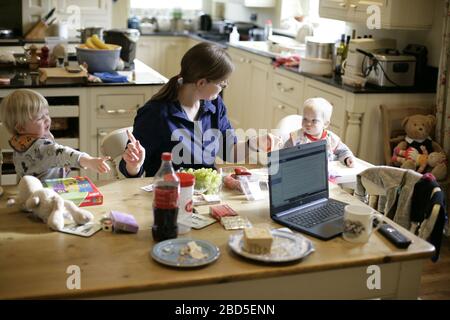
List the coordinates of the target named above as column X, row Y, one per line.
column 140, row 74
column 261, row 48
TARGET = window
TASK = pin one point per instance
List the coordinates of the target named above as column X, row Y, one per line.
column 325, row 29
column 167, row 4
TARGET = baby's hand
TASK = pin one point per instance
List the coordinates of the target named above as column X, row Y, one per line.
column 350, row 162
column 96, row 164
column 134, row 155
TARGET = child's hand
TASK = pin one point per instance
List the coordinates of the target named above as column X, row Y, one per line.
column 134, row 155
column 350, row 162
column 95, row 164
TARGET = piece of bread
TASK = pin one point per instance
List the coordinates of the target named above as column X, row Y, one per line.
column 257, row 240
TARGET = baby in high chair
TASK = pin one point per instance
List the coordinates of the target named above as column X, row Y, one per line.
column 25, row 115
column 316, row 118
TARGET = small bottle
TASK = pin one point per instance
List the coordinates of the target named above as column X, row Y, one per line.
column 165, row 200
column 339, row 56
column 234, row 35
column 347, row 43
column 268, row 29
column 33, row 60
column 44, row 63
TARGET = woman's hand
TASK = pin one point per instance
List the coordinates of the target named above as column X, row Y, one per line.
column 97, row 164
column 134, row 155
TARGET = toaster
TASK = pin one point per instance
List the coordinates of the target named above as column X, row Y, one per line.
column 391, row 69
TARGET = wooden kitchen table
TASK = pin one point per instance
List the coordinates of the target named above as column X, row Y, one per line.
column 34, row 260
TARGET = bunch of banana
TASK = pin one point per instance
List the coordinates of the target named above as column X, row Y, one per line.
column 94, row 42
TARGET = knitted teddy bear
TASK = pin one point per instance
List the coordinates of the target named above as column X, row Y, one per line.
column 415, row 151
column 47, row 204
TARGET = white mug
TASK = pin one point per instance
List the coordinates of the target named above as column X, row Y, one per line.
column 358, row 223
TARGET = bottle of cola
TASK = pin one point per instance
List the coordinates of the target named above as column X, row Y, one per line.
column 165, row 201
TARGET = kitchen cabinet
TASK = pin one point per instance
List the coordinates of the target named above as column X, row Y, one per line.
column 247, row 94
column 398, row 14
column 279, row 110
column 260, row 3
column 113, row 108
column 287, row 95
column 92, row 13
column 162, row 53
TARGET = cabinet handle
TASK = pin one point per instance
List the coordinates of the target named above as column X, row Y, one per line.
column 353, row 6
column 283, row 89
column 119, row 111
column 102, row 133
column 342, row 4
column 242, row 60
column 281, row 107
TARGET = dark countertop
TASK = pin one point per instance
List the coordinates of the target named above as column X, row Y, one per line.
column 141, row 74
column 428, row 87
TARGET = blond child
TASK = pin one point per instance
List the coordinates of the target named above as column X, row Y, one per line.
column 316, row 119
column 25, row 115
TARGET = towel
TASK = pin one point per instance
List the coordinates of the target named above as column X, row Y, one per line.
column 111, row 77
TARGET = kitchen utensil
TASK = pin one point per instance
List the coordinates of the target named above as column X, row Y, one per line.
column 320, row 67
column 99, row 60
column 319, row 49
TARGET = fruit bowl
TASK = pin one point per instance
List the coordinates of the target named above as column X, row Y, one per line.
column 99, row 60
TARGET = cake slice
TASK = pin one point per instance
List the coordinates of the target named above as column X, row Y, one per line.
column 257, row 240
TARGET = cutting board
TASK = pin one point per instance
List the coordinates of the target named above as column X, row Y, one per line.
column 61, row 76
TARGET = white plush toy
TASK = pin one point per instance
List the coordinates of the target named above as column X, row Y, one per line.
column 48, row 205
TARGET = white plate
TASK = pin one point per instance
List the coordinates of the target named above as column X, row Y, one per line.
column 168, row 252
column 286, row 246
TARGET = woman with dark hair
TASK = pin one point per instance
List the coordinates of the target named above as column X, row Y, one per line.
column 186, row 117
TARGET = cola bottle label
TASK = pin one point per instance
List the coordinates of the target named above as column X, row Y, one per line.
column 166, row 197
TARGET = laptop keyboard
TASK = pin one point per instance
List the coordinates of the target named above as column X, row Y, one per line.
column 317, row 215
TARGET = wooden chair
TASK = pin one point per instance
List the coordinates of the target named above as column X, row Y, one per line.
column 113, row 145
column 393, row 132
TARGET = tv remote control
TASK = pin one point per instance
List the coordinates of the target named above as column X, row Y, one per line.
column 394, row 236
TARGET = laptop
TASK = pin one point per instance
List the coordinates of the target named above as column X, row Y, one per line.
column 298, row 191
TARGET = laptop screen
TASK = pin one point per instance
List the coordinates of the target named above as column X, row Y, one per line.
column 298, row 176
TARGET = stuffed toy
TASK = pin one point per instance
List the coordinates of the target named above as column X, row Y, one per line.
column 415, row 151
column 47, row 204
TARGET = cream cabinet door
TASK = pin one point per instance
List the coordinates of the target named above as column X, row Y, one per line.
column 255, row 111
column 148, row 52
column 171, row 50
column 279, row 110
column 236, row 95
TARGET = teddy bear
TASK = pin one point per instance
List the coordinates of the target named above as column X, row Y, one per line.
column 417, row 148
column 47, row 204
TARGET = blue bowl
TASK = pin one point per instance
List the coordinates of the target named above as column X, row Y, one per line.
column 101, row 60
